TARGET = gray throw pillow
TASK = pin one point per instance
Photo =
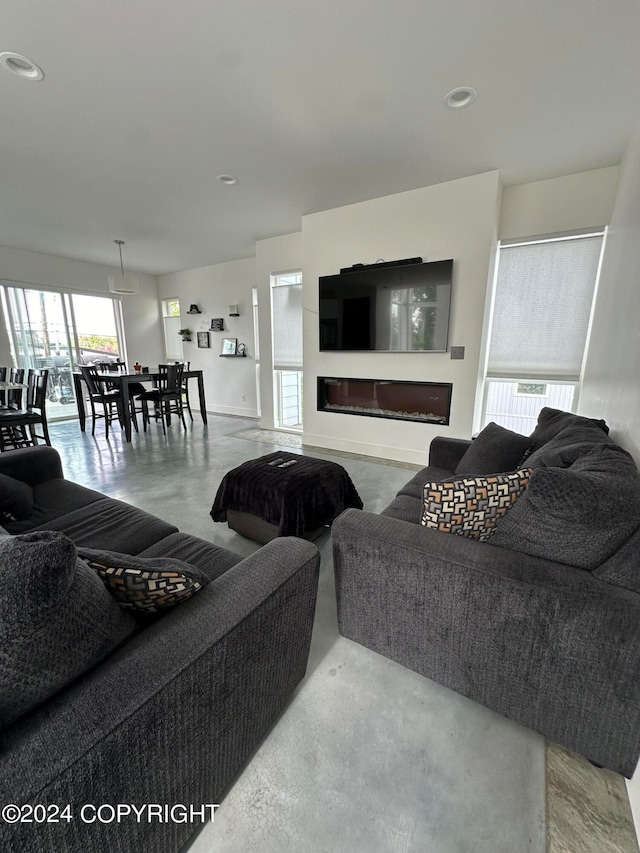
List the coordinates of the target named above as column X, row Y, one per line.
column 16, row 498
column 579, row 515
column 552, row 421
column 56, row 620
column 145, row 584
column 495, row 450
column 567, row 446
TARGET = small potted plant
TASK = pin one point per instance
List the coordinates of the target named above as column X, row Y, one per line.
column 185, row 334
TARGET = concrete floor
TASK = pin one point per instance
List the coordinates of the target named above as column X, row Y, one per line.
column 368, row 756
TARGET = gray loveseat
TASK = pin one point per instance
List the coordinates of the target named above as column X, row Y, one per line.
column 541, row 622
column 172, row 706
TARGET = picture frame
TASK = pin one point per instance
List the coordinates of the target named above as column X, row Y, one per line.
column 203, row 340
column 217, row 324
column 229, row 346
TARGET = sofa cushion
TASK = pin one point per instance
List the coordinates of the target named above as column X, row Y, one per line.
column 552, row 421
column 145, row 584
column 578, row 515
column 405, row 508
column 567, row 446
column 471, row 506
column 110, row 524
column 211, row 559
column 494, row 450
column 16, row 498
column 415, row 487
column 56, row 620
column 52, row 499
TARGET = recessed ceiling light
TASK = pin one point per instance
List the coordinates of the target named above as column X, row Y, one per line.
column 460, row 97
column 227, row 180
column 21, row 66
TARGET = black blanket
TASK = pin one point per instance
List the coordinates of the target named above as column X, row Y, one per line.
column 297, row 497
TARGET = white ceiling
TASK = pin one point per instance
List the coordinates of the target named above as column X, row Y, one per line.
column 312, row 105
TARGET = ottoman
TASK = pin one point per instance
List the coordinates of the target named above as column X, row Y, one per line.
column 283, row 494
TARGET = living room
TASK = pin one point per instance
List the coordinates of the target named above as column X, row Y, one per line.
column 460, row 217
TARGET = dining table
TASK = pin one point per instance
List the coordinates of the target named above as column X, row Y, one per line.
column 122, row 381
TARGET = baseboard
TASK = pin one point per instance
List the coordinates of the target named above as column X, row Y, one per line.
column 234, row 411
column 361, row 448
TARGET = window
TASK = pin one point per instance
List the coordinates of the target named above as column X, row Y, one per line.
column 171, row 325
column 542, row 304
column 58, row 330
column 286, row 325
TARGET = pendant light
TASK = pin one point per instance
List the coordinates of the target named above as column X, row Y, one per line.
column 123, row 284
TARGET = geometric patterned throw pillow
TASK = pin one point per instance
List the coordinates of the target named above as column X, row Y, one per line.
column 145, row 585
column 472, row 506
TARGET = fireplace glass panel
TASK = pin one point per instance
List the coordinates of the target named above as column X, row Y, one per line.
column 427, row 402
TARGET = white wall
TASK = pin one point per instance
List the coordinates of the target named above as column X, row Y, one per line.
column 273, row 255
column 611, row 389
column 452, row 220
column 141, row 313
column 568, row 203
column 213, row 289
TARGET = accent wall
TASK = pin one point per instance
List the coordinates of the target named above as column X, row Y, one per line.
column 458, row 220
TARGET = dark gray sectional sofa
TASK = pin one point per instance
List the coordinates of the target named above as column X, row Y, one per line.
column 174, row 710
column 541, row 622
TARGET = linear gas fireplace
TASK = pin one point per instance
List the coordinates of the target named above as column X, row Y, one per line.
column 427, row 402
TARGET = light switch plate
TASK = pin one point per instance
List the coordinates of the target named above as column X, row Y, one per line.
column 457, row 352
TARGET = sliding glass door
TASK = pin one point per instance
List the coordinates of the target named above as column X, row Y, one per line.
column 58, row 331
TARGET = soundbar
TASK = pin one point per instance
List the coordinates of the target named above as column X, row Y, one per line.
column 380, row 265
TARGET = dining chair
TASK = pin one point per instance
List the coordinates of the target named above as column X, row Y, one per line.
column 14, row 395
column 14, row 423
column 166, row 396
column 3, row 378
column 185, row 387
column 134, row 388
column 100, row 395
column 11, row 400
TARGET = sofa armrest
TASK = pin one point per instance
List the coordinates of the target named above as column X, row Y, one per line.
column 446, row 452
column 174, row 714
column 32, row 465
column 545, row 644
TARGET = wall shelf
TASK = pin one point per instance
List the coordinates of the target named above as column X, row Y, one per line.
column 233, row 355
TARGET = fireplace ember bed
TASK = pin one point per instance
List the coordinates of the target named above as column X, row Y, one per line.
column 425, row 402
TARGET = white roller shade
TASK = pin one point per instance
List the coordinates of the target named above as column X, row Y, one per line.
column 287, row 326
column 543, row 298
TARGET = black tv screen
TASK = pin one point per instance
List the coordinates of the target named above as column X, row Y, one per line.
column 387, row 309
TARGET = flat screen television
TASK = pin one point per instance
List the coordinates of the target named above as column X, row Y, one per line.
column 387, row 309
